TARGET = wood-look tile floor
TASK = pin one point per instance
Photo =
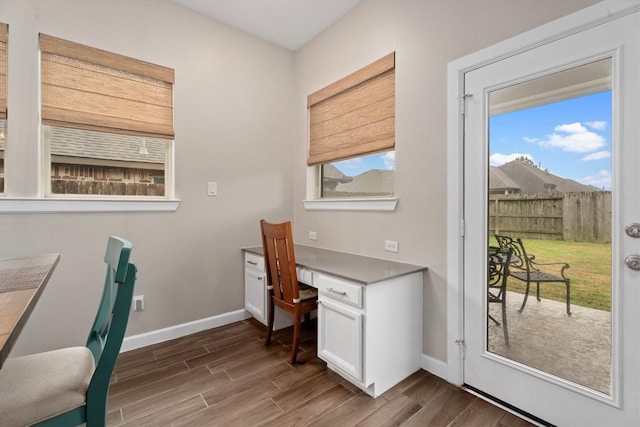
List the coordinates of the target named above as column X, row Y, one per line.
column 227, row 377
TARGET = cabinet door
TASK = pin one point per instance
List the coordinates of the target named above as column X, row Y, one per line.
column 340, row 337
column 255, row 294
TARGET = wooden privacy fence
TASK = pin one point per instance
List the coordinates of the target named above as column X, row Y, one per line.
column 579, row 217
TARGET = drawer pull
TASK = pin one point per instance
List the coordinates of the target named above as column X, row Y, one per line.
column 252, row 262
column 337, row 292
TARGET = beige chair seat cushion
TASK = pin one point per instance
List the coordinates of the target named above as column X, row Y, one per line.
column 42, row 385
column 307, row 293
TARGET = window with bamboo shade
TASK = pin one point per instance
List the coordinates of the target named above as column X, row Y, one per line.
column 107, row 121
column 352, row 123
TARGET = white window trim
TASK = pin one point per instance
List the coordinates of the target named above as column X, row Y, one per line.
column 382, row 205
column 36, row 205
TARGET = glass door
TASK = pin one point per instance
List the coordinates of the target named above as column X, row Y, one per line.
column 551, row 295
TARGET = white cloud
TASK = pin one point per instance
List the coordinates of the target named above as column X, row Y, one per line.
column 597, row 156
column 571, row 128
column 597, row 125
column 499, row 159
column 527, row 139
column 575, row 138
column 601, row 180
column 389, row 159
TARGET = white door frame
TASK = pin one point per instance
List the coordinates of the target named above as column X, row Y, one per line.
column 571, row 24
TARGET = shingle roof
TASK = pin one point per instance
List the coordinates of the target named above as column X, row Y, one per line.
column 499, row 181
column 105, row 146
column 374, row 180
column 531, row 179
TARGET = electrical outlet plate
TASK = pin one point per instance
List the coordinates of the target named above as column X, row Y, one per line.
column 138, row 303
column 390, row 246
column 313, row 235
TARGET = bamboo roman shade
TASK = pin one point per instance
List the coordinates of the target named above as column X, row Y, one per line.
column 4, row 30
column 354, row 116
column 88, row 88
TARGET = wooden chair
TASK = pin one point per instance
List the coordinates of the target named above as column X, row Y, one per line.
column 524, row 268
column 282, row 280
column 498, row 272
column 68, row 387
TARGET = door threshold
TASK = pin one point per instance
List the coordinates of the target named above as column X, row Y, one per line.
column 507, row 407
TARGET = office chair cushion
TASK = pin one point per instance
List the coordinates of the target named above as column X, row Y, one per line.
column 42, row 385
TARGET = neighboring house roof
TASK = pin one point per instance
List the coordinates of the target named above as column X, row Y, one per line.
column 530, row 179
column 70, row 142
column 372, row 181
column 500, row 182
column 333, row 173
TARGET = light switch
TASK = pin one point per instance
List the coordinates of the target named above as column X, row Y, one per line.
column 212, row 189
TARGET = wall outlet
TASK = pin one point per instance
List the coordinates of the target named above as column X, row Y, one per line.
column 390, row 246
column 313, row 235
column 138, row 303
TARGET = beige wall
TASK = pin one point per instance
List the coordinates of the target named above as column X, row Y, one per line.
column 426, row 35
column 240, row 120
column 233, row 110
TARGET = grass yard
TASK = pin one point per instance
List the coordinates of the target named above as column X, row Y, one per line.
column 589, row 271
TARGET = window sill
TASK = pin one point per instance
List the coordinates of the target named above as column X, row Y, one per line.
column 380, row 205
column 33, row 205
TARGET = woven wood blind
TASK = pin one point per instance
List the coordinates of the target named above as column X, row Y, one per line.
column 354, row 116
column 4, row 30
column 88, row 88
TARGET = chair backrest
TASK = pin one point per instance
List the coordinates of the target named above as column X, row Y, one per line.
column 498, row 268
column 520, row 259
column 107, row 333
column 277, row 244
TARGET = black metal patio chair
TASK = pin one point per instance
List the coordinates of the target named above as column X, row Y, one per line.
column 523, row 267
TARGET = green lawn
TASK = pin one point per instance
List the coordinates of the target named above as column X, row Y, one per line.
column 589, row 271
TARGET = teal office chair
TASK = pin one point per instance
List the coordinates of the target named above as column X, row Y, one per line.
column 68, row 387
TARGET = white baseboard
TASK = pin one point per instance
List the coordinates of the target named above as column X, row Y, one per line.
column 177, row 331
column 435, row 366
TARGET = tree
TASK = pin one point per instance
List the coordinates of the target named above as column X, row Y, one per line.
column 526, row 160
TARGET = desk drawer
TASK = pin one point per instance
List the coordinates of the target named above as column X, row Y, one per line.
column 255, row 262
column 340, row 290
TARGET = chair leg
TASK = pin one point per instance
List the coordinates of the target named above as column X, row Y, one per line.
column 568, row 283
column 538, row 291
column 296, row 335
column 504, row 319
column 270, row 311
column 526, row 295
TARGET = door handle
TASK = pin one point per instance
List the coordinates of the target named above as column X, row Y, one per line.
column 633, row 262
column 633, row 230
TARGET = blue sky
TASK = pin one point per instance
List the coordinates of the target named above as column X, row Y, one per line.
column 354, row 167
column 571, row 138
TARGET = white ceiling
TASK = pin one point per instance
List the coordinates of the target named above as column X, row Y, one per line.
column 287, row 23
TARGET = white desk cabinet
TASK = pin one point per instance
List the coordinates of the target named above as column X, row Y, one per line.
column 255, row 292
column 369, row 314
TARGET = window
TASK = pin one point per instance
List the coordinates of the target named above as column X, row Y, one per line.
column 107, row 122
column 352, row 133
column 4, row 30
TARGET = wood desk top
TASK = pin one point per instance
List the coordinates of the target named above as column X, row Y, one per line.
column 22, row 280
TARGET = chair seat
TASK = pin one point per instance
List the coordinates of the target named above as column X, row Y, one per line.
column 39, row 386
column 537, row 276
column 307, row 293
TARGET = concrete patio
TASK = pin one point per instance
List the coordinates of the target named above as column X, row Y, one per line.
column 576, row 347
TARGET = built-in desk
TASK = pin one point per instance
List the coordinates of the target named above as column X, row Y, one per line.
column 369, row 312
